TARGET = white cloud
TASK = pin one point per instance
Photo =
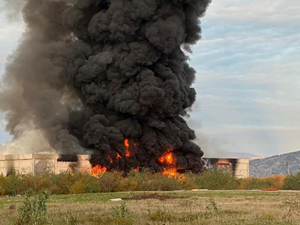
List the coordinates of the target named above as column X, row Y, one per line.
column 265, row 11
column 248, row 66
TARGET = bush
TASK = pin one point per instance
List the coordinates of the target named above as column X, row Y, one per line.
column 292, row 182
column 276, row 181
column 109, row 182
column 78, row 188
column 2, row 189
column 163, row 183
column 148, row 181
column 216, row 180
column 273, row 182
column 65, row 182
column 188, row 183
column 121, row 211
column 34, row 210
column 256, row 183
column 12, row 184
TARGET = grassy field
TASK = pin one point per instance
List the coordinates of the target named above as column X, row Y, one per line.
column 157, row 208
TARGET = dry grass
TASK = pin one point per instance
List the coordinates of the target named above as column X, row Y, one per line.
column 212, row 207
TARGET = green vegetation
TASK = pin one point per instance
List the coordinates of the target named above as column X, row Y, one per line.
column 33, row 211
column 80, row 183
column 292, row 182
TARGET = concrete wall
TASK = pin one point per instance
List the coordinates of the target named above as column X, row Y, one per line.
column 39, row 163
column 242, row 168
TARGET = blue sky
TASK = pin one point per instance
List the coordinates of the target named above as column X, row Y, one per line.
column 248, row 66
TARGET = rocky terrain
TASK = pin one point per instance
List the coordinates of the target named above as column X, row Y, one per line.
column 275, row 165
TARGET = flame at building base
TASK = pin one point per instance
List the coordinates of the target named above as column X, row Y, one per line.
column 98, row 171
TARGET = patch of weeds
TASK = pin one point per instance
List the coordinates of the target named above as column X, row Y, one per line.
column 185, row 203
column 212, row 206
column 33, row 209
column 121, row 211
column 72, row 219
column 190, row 217
column 161, row 216
column 267, row 217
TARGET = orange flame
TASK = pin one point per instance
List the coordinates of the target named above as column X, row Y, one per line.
column 137, row 169
column 98, row 170
column 118, row 156
column 127, row 145
column 170, row 172
column 167, row 158
column 110, row 159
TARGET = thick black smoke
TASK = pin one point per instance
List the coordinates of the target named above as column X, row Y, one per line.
column 92, row 73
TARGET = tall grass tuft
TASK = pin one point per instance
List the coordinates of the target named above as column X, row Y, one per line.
column 33, row 210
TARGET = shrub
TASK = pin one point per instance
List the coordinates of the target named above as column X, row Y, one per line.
column 292, row 182
column 257, row 183
column 188, row 183
column 12, row 184
column 148, row 181
column 2, row 188
column 163, row 183
column 276, row 181
column 78, row 188
column 2, row 191
column 43, row 182
column 121, row 211
column 34, row 209
column 109, row 182
column 64, row 181
column 273, row 182
column 216, row 180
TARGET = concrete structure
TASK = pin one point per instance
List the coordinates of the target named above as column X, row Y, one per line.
column 239, row 167
column 39, row 163
column 242, row 168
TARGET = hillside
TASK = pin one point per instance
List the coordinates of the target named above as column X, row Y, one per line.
column 275, row 165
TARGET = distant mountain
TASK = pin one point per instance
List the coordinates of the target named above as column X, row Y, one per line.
column 275, row 165
column 243, row 155
column 228, row 154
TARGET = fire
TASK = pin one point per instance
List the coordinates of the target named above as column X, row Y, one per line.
column 110, row 159
column 171, row 172
column 137, row 169
column 98, row 170
column 127, row 145
column 167, row 158
column 119, row 156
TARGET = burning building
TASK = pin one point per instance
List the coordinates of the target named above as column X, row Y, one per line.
column 109, row 78
column 37, row 164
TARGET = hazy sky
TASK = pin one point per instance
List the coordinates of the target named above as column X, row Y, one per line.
column 248, row 83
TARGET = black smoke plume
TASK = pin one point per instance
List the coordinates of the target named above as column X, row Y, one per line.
column 91, row 74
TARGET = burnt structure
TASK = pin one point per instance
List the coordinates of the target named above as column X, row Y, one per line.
column 40, row 163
